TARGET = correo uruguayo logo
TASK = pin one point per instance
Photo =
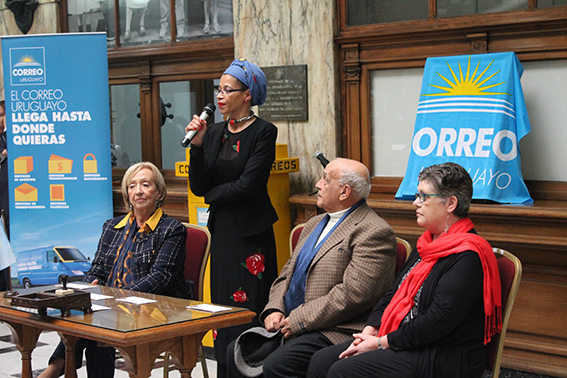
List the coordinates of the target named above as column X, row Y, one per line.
column 27, row 66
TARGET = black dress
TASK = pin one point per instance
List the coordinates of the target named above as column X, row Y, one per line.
column 232, row 171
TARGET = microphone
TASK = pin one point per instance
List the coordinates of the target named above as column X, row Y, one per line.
column 319, row 156
column 207, row 112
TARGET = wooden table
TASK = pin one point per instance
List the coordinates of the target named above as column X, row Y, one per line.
column 140, row 332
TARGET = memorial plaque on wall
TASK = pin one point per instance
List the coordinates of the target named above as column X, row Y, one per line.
column 287, row 94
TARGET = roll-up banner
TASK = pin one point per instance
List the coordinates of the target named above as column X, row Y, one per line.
column 59, row 160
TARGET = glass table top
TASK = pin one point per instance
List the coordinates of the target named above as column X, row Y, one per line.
column 125, row 310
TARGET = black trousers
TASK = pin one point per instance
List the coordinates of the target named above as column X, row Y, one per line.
column 100, row 360
column 288, row 361
column 374, row 364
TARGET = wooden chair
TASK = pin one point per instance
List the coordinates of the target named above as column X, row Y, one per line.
column 198, row 247
column 294, row 236
column 403, row 251
column 510, row 269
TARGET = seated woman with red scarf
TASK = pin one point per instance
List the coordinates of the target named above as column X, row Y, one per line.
column 444, row 305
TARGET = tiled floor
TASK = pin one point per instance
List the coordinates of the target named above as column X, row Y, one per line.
column 508, row 373
column 10, row 359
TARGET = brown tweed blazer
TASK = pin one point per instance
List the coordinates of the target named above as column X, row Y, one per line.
column 351, row 271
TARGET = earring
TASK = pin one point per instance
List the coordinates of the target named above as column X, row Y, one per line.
column 446, row 225
column 131, row 207
column 245, row 101
column 157, row 204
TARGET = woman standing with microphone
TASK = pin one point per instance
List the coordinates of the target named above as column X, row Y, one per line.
column 230, row 167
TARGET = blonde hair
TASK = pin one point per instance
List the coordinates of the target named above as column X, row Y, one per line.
column 158, row 180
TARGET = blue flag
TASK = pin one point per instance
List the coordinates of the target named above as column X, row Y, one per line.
column 472, row 112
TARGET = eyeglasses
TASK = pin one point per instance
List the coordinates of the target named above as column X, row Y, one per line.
column 226, row 92
column 423, row 196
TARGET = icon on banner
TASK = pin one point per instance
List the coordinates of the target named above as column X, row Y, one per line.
column 58, row 164
column 23, row 165
column 25, row 193
column 57, row 192
column 89, row 166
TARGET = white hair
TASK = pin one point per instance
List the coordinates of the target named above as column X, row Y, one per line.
column 359, row 184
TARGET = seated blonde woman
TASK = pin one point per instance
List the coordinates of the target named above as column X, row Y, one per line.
column 142, row 251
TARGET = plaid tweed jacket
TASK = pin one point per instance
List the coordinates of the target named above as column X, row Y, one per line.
column 158, row 257
column 352, row 270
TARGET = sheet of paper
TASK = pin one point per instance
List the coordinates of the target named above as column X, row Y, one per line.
column 208, row 307
column 96, row 307
column 78, row 285
column 98, row 297
column 136, row 300
column 26, row 309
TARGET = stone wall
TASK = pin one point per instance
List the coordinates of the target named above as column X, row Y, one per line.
column 294, row 32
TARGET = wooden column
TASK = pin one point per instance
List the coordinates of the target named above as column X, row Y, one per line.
column 351, row 137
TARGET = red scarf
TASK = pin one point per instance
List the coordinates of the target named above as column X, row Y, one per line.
column 457, row 239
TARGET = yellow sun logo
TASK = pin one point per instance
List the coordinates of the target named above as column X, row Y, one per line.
column 27, row 59
column 470, row 85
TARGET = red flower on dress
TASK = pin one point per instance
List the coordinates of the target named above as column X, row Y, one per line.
column 239, row 296
column 255, row 264
column 215, row 333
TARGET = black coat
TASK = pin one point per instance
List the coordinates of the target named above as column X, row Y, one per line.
column 158, row 257
column 449, row 327
column 249, row 194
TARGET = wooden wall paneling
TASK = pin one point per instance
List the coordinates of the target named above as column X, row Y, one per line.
column 124, row 73
column 520, row 20
column 342, row 12
column 536, row 339
column 182, row 70
column 365, row 118
column 116, row 10
column 155, row 122
column 548, row 190
column 432, row 9
column 151, row 146
column 176, row 204
column 189, row 51
column 409, row 49
column 63, row 17
column 351, row 101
